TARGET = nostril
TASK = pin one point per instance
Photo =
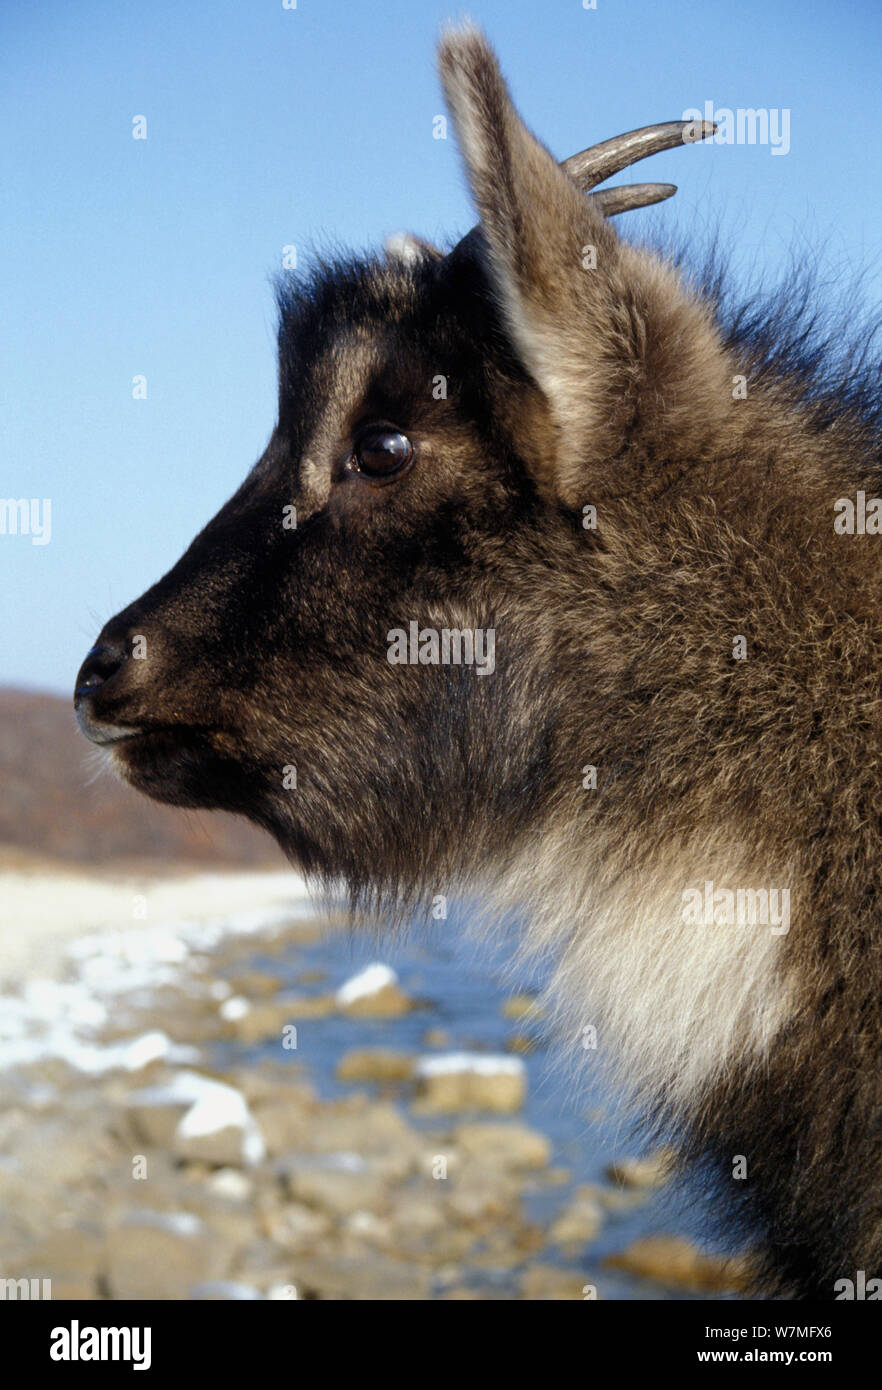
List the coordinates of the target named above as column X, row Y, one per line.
column 102, row 662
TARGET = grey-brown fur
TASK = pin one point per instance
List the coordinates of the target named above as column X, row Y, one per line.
column 568, row 387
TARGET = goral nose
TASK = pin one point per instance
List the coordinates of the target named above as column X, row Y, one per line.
column 101, row 664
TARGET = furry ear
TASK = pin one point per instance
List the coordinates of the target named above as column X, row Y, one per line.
column 548, row 252
column 594, row 321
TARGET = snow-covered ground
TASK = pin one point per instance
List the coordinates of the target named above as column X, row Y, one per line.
column 70, row 945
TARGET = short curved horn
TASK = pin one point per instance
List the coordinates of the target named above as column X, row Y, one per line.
column 599, row 162
column 612, row 201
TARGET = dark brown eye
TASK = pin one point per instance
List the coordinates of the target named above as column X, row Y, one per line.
column 381, row 452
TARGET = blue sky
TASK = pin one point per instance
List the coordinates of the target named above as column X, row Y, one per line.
column 269, row 127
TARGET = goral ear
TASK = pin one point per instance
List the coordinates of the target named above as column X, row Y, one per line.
column 548, row 252
column 591, row 319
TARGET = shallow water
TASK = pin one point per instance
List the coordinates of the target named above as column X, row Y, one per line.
column 464, row 985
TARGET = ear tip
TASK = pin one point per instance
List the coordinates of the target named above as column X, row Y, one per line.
column 464, row 49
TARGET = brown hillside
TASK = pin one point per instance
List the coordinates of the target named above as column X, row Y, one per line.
column 57, row 802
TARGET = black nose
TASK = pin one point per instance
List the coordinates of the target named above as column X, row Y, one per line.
column 100, row 664
column 97, row 715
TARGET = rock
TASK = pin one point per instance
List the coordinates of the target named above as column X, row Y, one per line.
column 503, row 1145
column 579, row 1222
column 676, row 1261
column 223, row 1144
column 470, row 1081
column 520, row 1006
column 504, row 1245
column 28, row 1088
column 311, row 977
column 286, row 1124
column 57, row 1152
column 235, row 953
column 521, row 1043
column 340, row 1183
column 481, row 1198
column 162, row 1255
column 281, row 1079
column 417, row 1215
column 224, row 1290
column 653, row 1170
column 464, row 1293
column 199, row 1119
column 306, row 1007
column 365, row 1228
column 187, row 1017
column 71, row 1258
column 374, row 1129
column 375, row 1064
column 370, row 1278
column 373, row 993
column 76, row 1289
column 233, row 1222
column 270, row 1017
column 546, row 1283
column 297, row 1227
column 255, row 984
column 436, row 1037
column 155, row 1117
column 426, row 1231
column 263, row 1264
column 231, row 1185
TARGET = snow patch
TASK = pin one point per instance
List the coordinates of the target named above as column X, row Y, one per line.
column 179, row 1223
column 368, row 981
column 235, row 1007
column 212, row 1106
column 59, row 1018
column 481, row 1063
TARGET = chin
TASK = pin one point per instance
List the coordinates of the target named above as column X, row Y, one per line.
column 182, row 770
column 185, row 768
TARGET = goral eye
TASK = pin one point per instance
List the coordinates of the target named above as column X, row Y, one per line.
column 382, row 452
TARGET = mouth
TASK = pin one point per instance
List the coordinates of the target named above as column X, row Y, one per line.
column 176, row 764
column 101, row 734
column 129, row 739
column 107, row 735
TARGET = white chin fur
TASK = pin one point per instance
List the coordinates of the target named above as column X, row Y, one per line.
column 675, row 1004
